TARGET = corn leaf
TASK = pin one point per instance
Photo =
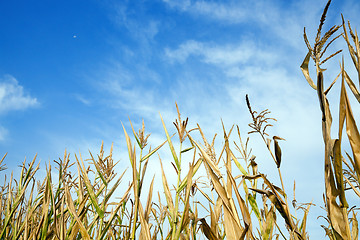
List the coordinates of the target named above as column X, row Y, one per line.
column 171, row 145
column 305, row 70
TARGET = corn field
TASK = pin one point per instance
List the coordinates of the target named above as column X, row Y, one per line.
column 76, row 199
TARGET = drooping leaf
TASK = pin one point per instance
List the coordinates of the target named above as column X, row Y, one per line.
column 277, row 153
column 353, row 135
column 352, row 86
column 205, row 228
column 339, row 172
column 305, row 70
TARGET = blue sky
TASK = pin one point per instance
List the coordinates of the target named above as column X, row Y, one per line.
column 72, row 71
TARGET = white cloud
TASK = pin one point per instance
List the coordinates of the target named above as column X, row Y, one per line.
column 13, row 96
column 184, row 51
column 229, row 12
column 183, row 5
column 133, row 90
column 285, row 23
column 221, row 55
column 82, row 99
column 135, row 24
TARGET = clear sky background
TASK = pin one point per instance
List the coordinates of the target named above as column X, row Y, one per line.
column 72, row 71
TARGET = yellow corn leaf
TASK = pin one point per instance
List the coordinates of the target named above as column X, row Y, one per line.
column 351, row 49
column 206, row 157
column 204, row 194
column 168, row 196
column 214, row 221
column 89, row 187
column 184, row 181
column 71, row 207
column 352, row 86
column 336, row 214
column 339, row 173
column 171, row 145
column 114, row 213
column 73, row 231
column 152, row 152
column 355, row 227
column 129, row 146
column 279, row 204
column 342, row 105
column 231, row 219
column 148, row 202
column 135, row 135
column 241, row 168
column 23, row 183
column 305, row 70
column 304, row 221
column 332, row 84
column 114, row 187
column 244, row 210
column 353, row 135
column 352, row 186
column 2, row 167
column 145, row 230
column 98, row 169
column 185, row 217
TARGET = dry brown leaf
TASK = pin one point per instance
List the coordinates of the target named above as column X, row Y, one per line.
column 145, row 230
column 355, row 227
column 339, row 173
column 244, row 210
column 205, row 228
column 305, row 70
column 352, row 86
column 149, row 201
column 353, row 135
column 167, row 192
column 71, row 207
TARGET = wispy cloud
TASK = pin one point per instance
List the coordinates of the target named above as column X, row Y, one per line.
column 267, row 16
column 134, row 90
column 221, row 55
column 82, row 99
column 13, row 97
column 229, row 12
column 140, row 30
column 3, row 133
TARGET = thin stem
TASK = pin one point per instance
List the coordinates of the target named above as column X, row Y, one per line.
column 137, row 197
column 177, row 197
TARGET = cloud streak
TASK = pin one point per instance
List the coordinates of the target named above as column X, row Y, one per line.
column 221, row 55
column 262, row 15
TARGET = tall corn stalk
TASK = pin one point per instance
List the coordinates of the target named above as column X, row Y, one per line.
column 337, row 179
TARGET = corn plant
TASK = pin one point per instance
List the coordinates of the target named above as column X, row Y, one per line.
column 337, row 179
column 218, row 192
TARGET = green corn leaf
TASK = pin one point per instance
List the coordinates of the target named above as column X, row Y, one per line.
column 171, row 145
